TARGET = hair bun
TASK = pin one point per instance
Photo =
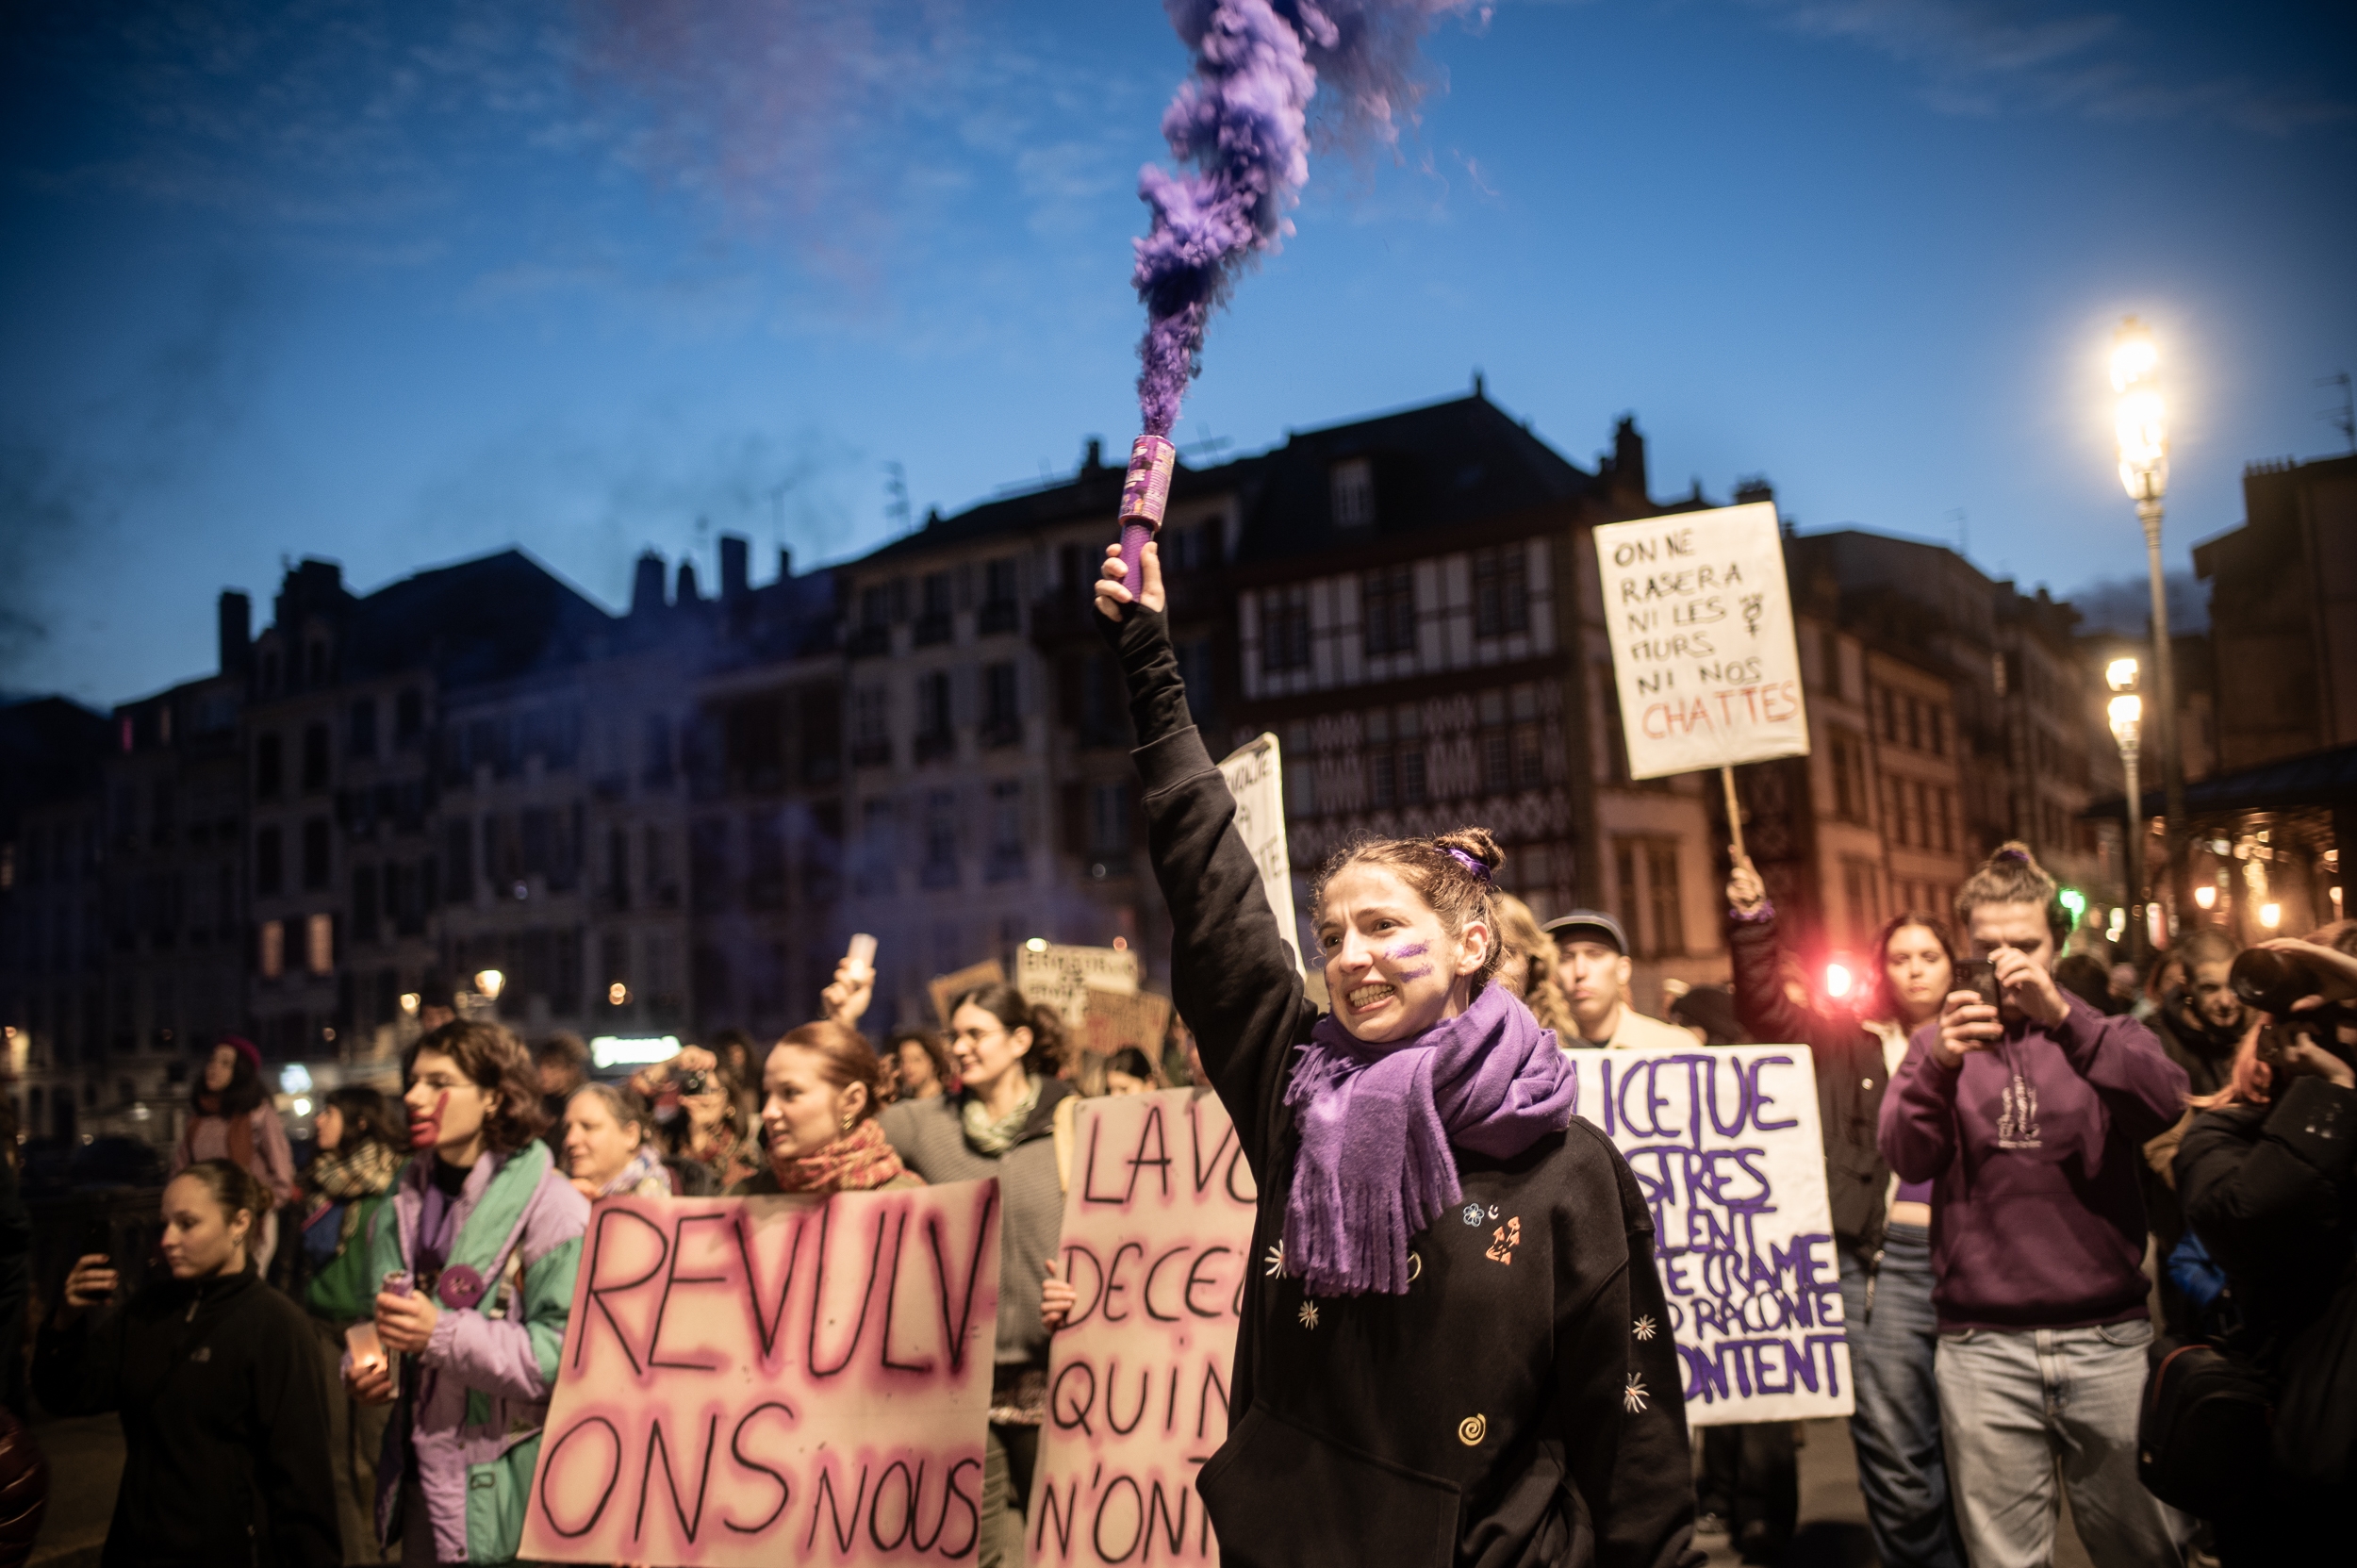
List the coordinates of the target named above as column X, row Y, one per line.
column 2014, row 851
column 1473, row 842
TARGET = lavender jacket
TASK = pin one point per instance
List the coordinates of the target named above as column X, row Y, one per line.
column 2033, row 1148
column 474, row 1401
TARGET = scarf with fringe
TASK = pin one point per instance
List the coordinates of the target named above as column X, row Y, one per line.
column 361, row 1169
column 1377, row 1120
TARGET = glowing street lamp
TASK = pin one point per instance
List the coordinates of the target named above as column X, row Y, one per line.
column 2127, row 718
column 2141, row 426
column 489, row 982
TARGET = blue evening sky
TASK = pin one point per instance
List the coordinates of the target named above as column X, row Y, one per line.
column 398, row 284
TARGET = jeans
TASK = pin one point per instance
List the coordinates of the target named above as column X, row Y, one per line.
column 2014, row 1406
column 1901, row 1466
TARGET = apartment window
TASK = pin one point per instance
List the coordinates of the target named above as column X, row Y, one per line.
column 365, row 906
column 1829, row 661
column 1186, row 549
column 765, row 860
column 1352, row 482
column 940, row 868
column 315, row 842
column 871, row 734
column 268, row 767
column 269, row 955
column 617, row 868
column 1860, row 907
column 1501, row 590
column 1945, row 815
column 1006, row 831
column 1849, row 776
column 409, row 718
column 999, row 610
column 319, row 944
column 934, row 736
column 459, row 861
column 1108, row 825
column 1391, row 611
column 1194, row 668
column 1661, row 888
column 1003, row 723
column 314, row 743
column 364, row 727
column 1395, row 761
column 932, row 619
column 1285, row 629
column 874, row 873
column 270, row 873
column 1915, row 724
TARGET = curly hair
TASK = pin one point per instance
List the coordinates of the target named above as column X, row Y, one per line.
column 1006, row 1004
column 1449, row 886
column 497, row 1062
column 370, row 1117
column 1529, row 965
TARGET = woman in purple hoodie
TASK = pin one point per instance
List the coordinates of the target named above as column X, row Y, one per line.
column 2028, row 1117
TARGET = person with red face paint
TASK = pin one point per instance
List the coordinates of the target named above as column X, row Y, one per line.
column 477, row 1254
column 1453, row 1345
column 223, row 1405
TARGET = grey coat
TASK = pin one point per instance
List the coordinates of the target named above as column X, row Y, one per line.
column 930, row 1141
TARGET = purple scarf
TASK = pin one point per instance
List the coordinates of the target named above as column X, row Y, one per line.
column 1377, row 1122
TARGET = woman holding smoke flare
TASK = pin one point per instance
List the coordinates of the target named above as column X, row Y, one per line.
column 1454, row 1345
column 1882, row 1227
column 477, row 1255
column 223, row 1405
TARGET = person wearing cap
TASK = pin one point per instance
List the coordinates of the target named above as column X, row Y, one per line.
column 231, row 1118
column 1593, row 968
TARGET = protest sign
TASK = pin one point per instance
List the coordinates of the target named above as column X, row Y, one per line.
column 1703, row 652
column 950, row 987
column 1725, row 1144
column 764, row 1380
column 1111, row 1021
column 1254, row 777
column 1063, row 977
column 1157, row 1223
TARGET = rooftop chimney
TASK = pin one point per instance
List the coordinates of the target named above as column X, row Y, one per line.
column 646, row 587
column 686, row 594
column 1628, row 457
column 237, row 631
column 735, row 566
column 1096, row 458
column 785, row 563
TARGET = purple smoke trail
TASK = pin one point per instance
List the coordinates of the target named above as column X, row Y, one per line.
column 1243, row 121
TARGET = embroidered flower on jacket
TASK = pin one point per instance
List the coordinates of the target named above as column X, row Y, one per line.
column 1473, row 1214
column 1309, row 1314
column 1643, row 1328
column 1633, row 1396
column 1275, row 1262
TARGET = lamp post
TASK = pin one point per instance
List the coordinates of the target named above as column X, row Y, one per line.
column 2143, row 431
column 2127, row 716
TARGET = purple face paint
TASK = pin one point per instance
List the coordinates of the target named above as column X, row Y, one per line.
column 1406, row 951
column 1243, row 121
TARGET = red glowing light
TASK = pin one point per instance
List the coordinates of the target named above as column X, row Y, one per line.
column 1838, row 980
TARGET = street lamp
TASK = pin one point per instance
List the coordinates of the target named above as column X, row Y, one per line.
column 2127, row 718
column 2143, row 431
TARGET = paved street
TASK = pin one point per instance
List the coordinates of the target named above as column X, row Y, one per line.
column 85, row 1466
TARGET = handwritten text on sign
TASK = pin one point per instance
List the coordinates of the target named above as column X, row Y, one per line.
column 1255, row 777
column 1703, row 652
column 769, row 1379
column 1725, row 1143
column 1157, row 1221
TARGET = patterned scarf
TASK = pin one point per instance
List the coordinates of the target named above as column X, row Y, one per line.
column 1377, row 1120
column 644, row 1163
column 990, row 1138
column 359, row 1170
column 858, row 1162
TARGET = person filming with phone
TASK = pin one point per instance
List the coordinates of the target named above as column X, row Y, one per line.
column 2027, row 1110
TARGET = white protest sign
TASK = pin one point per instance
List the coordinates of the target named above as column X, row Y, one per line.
column 1255, row 775
column 1157, row 1222
column 1050, row 974
column 1703, row 652
column 1723, row 1140
column 771, row 1380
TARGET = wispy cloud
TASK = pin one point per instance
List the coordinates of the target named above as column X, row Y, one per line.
column 1983, row 58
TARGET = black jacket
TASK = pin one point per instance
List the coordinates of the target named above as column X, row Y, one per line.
column 2269, row 1190
column 1521, row 1405
column 225, row 1423
column 1850, row 1080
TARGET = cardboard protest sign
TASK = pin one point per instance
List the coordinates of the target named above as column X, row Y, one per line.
column 1724, row 1140
column 1157, row 1223
column 1254, row 777
column 1111, row 1021
column 766, row 1379
column 1702, row 653
column 1063, row 977
column 950, row 987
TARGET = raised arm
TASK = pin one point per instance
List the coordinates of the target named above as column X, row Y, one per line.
column 1760, row 1001
column 1232, row 974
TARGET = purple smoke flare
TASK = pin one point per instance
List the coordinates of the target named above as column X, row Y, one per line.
column 1243, row 121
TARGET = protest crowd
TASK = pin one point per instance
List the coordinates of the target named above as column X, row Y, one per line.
column 2093, row 1233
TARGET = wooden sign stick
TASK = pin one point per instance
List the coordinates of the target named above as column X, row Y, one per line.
column 1735, row 812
